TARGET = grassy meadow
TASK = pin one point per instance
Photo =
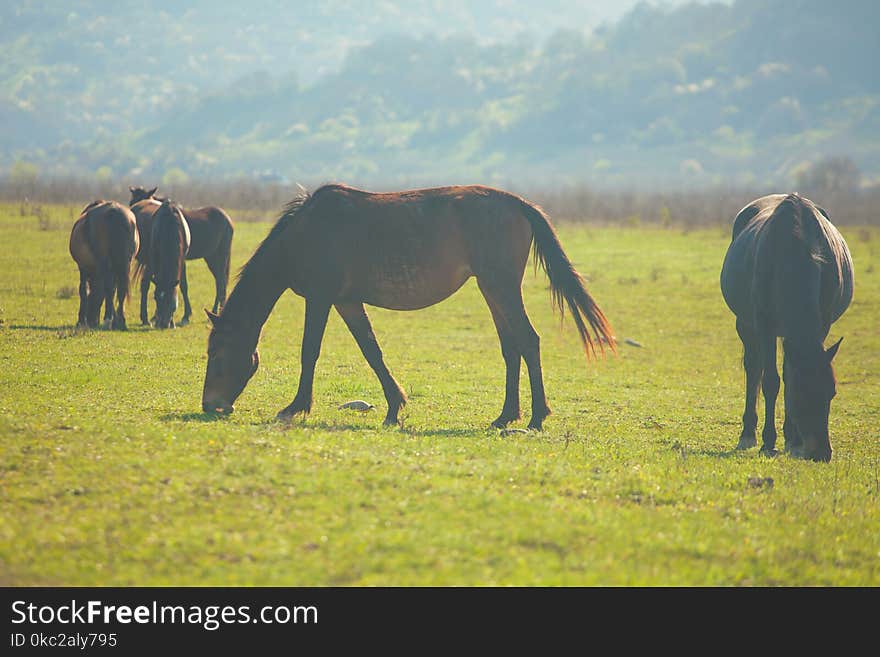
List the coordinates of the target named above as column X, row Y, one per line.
column 111, row 475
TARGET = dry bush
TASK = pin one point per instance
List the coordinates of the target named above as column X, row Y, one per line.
column 248, row 200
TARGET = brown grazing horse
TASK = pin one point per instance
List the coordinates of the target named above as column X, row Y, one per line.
column 211, row 230
column 345, row 247
column 170, row 241
column 787, row 273
column 103, row 242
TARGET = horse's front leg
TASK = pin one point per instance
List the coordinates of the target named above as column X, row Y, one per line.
column 184, row 290
column 358, row 323
column 793, row 441
column 145, row 293
column 770, row 387
column 753, row 365
column 81, row 320
column 317, row 311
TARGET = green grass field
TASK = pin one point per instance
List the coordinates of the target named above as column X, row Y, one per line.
column 111, row 475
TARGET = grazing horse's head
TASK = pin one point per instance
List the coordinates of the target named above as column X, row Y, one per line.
column 809, row 388
column 232, row 361
column 140, row 193
column 169, row 244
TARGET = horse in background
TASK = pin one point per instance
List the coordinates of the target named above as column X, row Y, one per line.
column 211, row 230
column 103, row 242
column 787, row 273
column 343, row 247
column 169, row 243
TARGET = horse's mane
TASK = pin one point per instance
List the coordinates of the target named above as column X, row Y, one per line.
column 291, row 209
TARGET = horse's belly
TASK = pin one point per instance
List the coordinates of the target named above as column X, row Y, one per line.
column 410, row 287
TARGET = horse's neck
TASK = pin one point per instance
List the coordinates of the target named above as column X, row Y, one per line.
column 253, row 297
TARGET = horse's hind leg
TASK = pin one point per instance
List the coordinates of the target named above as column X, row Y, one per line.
column 119, row 318
column 145, row 295
column 109, row 290
column 184, row 290
column 316, row 320
column 218, row 264
column 512, row 361
column 358, row 323
column 770, row 388
column 96, row 298
column 753, row 365
column 506, row 293
column 82, row 316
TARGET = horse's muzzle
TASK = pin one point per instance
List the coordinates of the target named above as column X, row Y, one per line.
column 217, row 407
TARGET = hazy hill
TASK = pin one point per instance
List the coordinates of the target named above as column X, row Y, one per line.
column 441, row 91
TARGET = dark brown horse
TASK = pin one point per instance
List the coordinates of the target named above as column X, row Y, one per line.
column 345, row 247
column 103, row 242
column 211, row 230
column 170, row 241
column 787, row 273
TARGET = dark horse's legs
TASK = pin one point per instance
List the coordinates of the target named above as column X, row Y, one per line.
column 96, row 298
column 218, row 264
column 358, row 323
column 505, row 294
column 316, row 320
column 82, row 316
column 109, row 290
column 770, row 387
column 753, row 364
column 793, row 440
column 184, row 290
column 512, row 361
column 145, row 295
column 759, row 361
column 118, row 323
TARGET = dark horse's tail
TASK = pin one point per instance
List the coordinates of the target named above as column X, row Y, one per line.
column 567, row 284
column 116, row 264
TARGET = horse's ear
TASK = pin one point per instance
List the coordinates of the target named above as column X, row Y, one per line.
column 831, row 352
column 213, row 317
column 131, row 188
column 152, row 191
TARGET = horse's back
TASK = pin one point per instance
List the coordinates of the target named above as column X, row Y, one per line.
column 410, row 249
column 759, row 238
column 210, row 228
column 104, row 229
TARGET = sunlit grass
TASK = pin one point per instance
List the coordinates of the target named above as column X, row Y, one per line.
column 111, row 475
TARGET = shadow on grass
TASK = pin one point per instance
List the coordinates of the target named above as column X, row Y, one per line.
column 335, row 427
column 72, row 329
column 193, row 417
column 324, row 425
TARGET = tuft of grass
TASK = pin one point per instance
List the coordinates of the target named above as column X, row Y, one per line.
column 66, row 292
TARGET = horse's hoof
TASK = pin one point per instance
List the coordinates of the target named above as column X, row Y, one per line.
column 503, row 420
column 286, row 415
column 391, row 422
column 535, row 426
column 746, row 442
column 184, row 321
column 771, row 452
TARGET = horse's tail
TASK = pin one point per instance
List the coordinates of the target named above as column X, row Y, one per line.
column 567, row 284
column 124, row 243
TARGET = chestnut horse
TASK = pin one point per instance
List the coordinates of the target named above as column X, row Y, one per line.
column 787, row 273
column 169, row 244
column 103, row 241
column 344, row 247
column 211, row 230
